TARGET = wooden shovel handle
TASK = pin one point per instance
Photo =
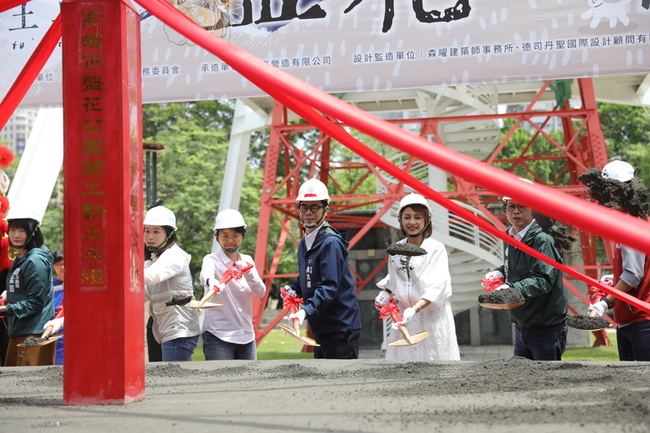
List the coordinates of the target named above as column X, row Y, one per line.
column 47, row 333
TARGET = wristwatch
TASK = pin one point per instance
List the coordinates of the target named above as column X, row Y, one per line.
column 609, row 303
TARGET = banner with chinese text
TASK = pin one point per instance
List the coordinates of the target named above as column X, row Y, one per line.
column 361, row 45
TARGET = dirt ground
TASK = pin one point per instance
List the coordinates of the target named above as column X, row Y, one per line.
column 505, row 395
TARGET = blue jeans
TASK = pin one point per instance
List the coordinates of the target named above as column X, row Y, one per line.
column 216, row 349
column 179, row 349
column 541, row 344
column 338, row 345
column 634, row 341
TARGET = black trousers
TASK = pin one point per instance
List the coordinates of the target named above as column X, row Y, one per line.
column 338, row 345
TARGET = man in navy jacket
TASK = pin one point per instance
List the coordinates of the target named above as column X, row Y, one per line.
column 324, row 280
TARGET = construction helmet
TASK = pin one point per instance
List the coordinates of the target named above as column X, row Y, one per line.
column 521, row 178
column 229, row 219
column 618, row 170
column 413, row 198
column 313, row 189
column 160, row 216
column 18, row 212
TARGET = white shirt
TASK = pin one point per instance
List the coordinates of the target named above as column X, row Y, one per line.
column 233, row 321
column 165, row 276
column 311, row 237
column 519, row 236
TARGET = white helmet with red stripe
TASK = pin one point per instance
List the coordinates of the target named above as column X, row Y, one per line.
column 313, row 189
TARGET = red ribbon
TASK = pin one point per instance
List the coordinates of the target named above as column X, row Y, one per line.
column 391, row 310
column 290, row 302
column 491, row 285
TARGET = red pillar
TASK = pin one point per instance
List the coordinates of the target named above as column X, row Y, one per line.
column 104, row 348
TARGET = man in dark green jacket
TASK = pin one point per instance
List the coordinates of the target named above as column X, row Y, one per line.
column 540, row 330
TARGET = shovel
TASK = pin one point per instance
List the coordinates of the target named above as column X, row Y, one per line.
column 228, row 275
column 503, row 299
column 46, row 337
column 392, row 310
column 293, row 305
column 587, row 322
column 190, row 302
column 405, row 249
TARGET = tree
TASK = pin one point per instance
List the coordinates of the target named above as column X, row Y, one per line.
column 627, row 133
column 191, row 166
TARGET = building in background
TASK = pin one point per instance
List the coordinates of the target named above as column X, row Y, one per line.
column 16, row 132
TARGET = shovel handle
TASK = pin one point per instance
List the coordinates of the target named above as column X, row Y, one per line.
column 406, row 334
column 49, row 329
column 296, row 326
column 47, row 333
column 295, row 322
column 402, row 328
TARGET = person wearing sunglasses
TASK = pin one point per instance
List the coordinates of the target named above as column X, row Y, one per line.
column 324, row 280
column 540, row 328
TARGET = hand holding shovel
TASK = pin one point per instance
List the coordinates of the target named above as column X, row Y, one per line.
column 293, row 303
column 593, row 321
column 229, row 274
column 46, row 337
column 392, row 310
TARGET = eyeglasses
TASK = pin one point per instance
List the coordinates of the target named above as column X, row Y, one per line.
column 511, row 207
column 224, row 237
column 313, row 208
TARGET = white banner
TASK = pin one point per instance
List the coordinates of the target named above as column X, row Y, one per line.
column 361, row 45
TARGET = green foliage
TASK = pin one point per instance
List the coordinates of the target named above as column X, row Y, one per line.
column 52, row 226
column 601, row 353
column 627, row 133
column 190, row 168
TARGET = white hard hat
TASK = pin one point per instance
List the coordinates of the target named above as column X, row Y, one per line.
column 160, row 216
column 313, row 189
column 521, row 178
column 618, row 170
column 18, row 212
column 413, row 198
column 229, row 219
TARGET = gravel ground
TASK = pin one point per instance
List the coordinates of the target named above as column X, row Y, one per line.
column 506, row 395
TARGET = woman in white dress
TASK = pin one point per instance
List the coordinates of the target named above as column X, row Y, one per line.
column 421, row 285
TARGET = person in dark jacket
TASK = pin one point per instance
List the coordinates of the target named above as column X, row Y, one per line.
column 29, row 290
column 540, row 329
column 324, row 280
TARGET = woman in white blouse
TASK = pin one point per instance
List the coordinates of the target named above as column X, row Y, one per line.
column 167, row 276
column 228, row 331
column 421, row 285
